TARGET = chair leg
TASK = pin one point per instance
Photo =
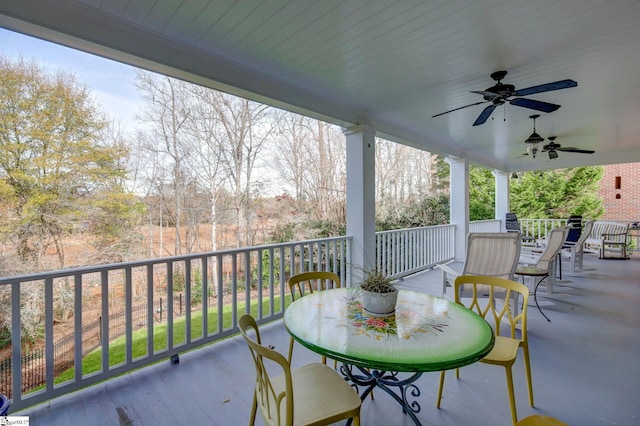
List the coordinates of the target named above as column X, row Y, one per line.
column 254, row 409
column 572, row 260
column 512, row 399
column 356, row 420
column 290, row 350
column 440, row 389
column 444, row 283
column 580, row 261
column 527, row 369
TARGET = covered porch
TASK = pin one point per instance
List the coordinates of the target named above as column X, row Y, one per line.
column 583, row 361
column 583, row 366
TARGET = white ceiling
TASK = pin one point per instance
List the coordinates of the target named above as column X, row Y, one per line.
column 388, row 64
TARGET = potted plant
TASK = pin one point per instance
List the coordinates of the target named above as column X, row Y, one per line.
column 379, row 294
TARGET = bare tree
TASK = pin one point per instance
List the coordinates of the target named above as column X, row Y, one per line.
column 167, row 109
column 208, row 136
column 311, row 156
column 245, row 129
column 327, row 187
column 403, row 174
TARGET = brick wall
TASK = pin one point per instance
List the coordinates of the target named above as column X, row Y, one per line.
column 622, row 203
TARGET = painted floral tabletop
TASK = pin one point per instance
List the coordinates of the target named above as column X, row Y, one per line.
column 427, row 333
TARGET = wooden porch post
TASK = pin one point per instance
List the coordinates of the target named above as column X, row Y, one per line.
column 503, row 200
column 361, row 213
column 459, row 203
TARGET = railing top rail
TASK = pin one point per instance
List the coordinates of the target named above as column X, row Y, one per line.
column 392, row 231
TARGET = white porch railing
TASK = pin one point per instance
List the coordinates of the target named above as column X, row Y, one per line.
column 538, row 228
column 406, row 251
column 201, row 297
column 492, row 225
column 151, row 310
column 131, row 324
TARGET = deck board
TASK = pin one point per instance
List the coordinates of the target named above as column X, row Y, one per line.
column 584, row 366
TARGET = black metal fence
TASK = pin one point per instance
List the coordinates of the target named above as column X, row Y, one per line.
column 34, row 364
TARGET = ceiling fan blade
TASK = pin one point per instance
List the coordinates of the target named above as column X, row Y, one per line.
column 533, row 104
column 456, row 109
column 486, row 113
column 486, row 94
column 557, row 85
column 578, row 150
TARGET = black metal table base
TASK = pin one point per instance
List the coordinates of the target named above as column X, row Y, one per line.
column 535, row 297
column 535, row 288
column 387, row 381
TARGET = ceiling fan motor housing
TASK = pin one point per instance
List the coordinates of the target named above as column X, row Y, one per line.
column 502, row 91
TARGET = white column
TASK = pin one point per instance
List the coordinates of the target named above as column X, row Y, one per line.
column 503, row 201
column 361, row 213
column 459, row 203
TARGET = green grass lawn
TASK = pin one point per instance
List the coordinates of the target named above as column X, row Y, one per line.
column 92, row 362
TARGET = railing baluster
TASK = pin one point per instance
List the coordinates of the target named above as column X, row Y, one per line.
column 150, row 307
column 205, row 297
column 283, row 290
column 272, row 306
column 48, row 333
column 187, row 301
column 169, row 266
column 77, row 328
column 259, row 263
column 234, row 290
column 128, row 315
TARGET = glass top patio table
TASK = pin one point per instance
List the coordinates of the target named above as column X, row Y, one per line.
column 427, row 333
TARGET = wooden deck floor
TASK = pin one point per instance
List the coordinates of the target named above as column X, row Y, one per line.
column 584, row 364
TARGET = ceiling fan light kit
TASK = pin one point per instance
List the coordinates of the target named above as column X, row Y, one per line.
column 534, row 139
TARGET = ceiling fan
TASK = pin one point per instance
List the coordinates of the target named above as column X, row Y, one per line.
column 500, row 93
column 552, row 148
column 534, row 140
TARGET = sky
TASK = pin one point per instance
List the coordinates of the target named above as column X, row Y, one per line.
column 112, row 84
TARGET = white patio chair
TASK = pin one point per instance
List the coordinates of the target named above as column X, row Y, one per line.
column 540, row 264
column 544, row 257
column 575, row 251
column 493, row 254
